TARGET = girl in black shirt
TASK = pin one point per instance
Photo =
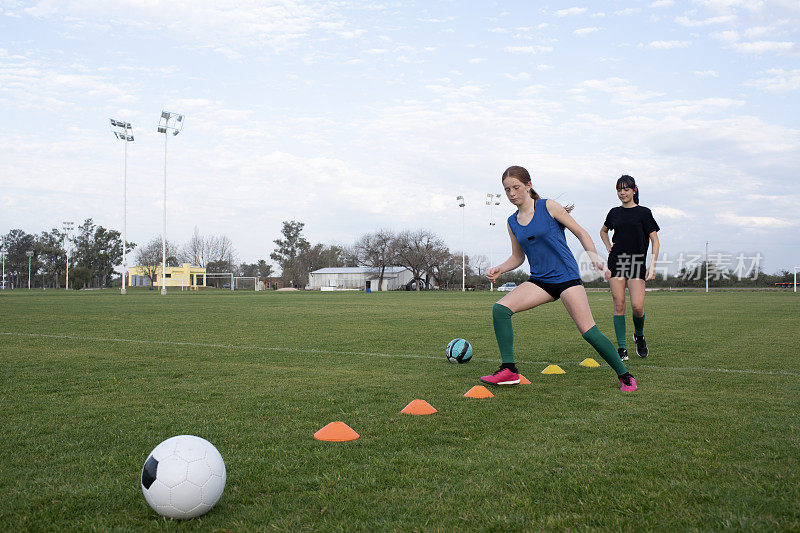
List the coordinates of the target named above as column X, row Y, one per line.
column 634, row 229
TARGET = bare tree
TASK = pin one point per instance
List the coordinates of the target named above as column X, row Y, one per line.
column 148, row 258
column 222, row 256
column 376, row 251
column 214, row 253
column 195, row 251
column 446, row 267
column 416, row 249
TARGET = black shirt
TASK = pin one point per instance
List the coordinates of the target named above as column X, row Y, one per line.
column 632, row 228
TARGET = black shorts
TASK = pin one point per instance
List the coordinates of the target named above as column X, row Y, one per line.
column 630, row 266
column 555, row 289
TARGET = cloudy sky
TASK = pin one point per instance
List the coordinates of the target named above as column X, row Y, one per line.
column 352, row 116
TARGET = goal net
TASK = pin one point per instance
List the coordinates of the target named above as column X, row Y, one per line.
column 247, row 283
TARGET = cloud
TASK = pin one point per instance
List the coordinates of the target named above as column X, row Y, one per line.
column 778, row 81
column 585, row 31
column 727, row 36
column 667, row 45
column 571, row 11
column 709, row 73
column 226, row 26
column 760, row 47
column 528, row 49
column 663, row 211
column 663, row 3
column 692, row 23
column 628, row 11
column 757, row 223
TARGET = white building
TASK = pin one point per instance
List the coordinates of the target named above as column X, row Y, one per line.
column 360, row 278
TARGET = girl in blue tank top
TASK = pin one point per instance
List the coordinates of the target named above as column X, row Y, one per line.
column 537, row 232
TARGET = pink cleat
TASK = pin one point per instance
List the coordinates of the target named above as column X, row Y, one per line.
column 503, row 376
column 628, row 382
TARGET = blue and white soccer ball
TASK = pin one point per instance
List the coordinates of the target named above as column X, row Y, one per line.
column 459, row 351
column 183, row 477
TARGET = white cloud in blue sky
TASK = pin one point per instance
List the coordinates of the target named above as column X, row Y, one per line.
column 352, row 116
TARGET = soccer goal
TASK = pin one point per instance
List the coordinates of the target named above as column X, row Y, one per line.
column 247, row 283
column 226, row 277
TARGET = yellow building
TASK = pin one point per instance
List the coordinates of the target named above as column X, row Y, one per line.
column 185, row 275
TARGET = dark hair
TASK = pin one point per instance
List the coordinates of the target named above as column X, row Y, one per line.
column 627, row 182
column 523, row 176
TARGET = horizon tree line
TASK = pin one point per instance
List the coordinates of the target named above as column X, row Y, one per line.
column 96, row 255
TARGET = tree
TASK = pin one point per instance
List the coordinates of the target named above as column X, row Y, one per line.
column 376, row 251
column 415, row 251
column 288, row 252
column 99, row 250
column 447, row 269
column 51, row 255
column 149, row 258
column 221, row 255
column 195, row 251
column 215, row 253
column 17, row 242
column 79, row 277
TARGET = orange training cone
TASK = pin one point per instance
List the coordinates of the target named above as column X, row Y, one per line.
column 418, row 407
column 523, row 380
column 336, row 432
column 479, row 391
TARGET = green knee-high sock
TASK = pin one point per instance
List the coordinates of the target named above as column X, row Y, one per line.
column 501, row 317
column 619, row 329
column 606, row 349
column 638, row 325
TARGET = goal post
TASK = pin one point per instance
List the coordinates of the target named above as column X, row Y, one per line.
column 795, row 278
column 221, row 275
column 244, row 282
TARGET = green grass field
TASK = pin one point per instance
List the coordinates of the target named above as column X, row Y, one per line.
column 92, row 381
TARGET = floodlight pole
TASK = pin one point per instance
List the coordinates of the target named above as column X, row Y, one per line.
column 461, row 204
column 67, row 226
column 164, row 232
column 491, row 200
column 123, row 130
column 29, row 253
column 706, row 266
column 3, row 253
column 168, row 123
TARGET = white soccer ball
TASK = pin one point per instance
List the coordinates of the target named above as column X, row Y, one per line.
column 183, row 477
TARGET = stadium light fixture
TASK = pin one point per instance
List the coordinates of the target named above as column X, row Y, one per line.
column 124, row 132
column 168, row 123
column 461, row 204
column 29, row 253
column 491, row 200
column 67, row 226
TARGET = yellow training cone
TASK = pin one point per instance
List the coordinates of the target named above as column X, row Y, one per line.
column 553, row 369
column 589, row 362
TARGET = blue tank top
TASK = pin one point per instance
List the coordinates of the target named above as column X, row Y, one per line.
column 545, row 246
